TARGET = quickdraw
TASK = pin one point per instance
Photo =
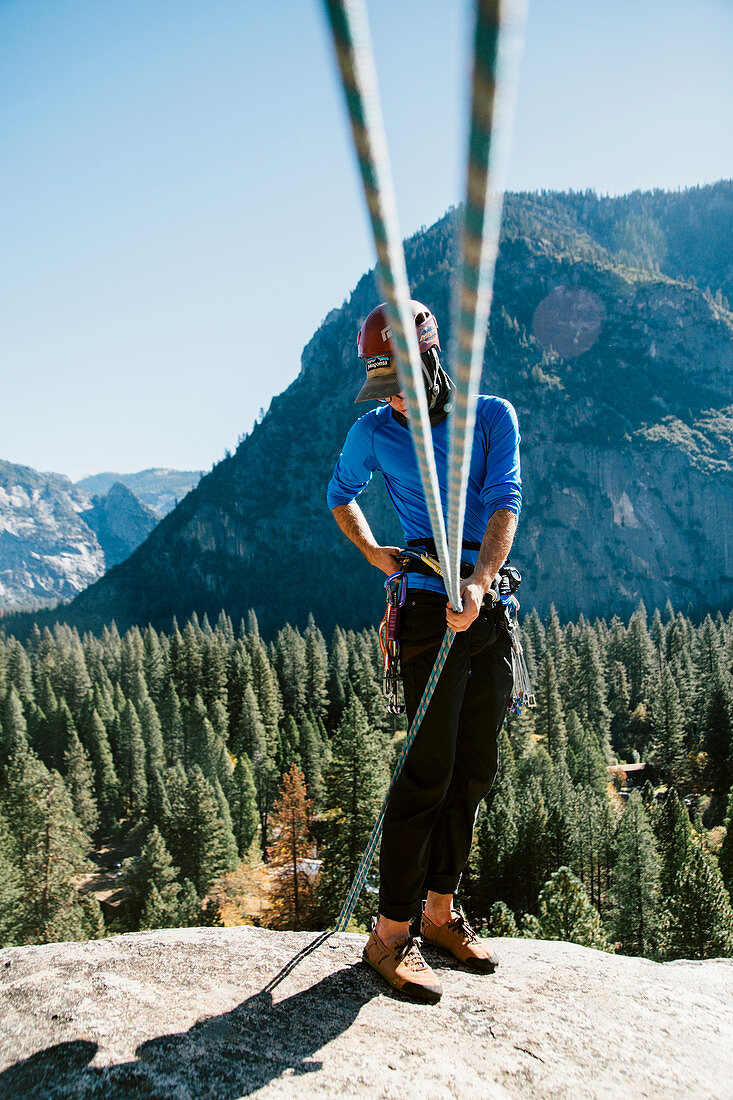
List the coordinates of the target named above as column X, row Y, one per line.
column 396, row 586
column 522, row 694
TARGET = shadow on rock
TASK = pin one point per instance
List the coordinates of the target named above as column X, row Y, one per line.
column 219, row 1058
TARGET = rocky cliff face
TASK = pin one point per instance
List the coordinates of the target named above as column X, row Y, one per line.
column 56, row 539
column 622, row 377
column 190, row 1013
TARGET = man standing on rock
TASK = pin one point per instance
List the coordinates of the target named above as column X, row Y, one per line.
column 451, row 766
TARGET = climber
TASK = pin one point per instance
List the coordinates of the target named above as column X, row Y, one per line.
column 428, row 825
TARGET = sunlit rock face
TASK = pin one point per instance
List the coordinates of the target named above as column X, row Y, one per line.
column 56, row 539
column 199, row 1012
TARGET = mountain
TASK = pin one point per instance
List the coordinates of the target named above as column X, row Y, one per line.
column 622, row 375
column 120, row 521
column 158, row 488
column 55, row 538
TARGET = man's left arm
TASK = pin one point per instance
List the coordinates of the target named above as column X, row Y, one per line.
column 495, row 547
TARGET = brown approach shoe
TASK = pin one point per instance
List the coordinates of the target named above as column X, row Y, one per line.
column 458, row 938
column 402, row 965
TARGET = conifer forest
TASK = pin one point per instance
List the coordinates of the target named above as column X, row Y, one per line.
column 207, row 776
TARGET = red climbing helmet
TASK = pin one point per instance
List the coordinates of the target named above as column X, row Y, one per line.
column 374, row 344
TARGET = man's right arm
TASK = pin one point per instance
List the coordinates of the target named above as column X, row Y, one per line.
column 355, row 526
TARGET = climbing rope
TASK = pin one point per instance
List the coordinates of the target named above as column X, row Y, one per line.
column 373, row 842
column 498, row 41
column 350, row 30
column 472, row 297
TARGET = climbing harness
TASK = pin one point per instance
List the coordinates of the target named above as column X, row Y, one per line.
column 497, row 45
column 503, row 591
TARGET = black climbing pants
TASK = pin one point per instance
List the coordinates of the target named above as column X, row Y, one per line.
column 428, row 825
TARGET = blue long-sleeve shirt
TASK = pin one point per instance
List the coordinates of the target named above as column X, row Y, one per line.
column 378, row 441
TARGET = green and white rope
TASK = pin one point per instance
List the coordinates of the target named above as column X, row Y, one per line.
column 498, row 41
column 493, row 62
column 350, row 31
column 373, row 842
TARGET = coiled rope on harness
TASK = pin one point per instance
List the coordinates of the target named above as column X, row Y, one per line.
column 479, row 244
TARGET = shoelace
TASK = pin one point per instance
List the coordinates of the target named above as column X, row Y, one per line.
column 461, row 925
column 409, row 953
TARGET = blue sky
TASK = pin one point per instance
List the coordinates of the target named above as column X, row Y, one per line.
column 179, row 207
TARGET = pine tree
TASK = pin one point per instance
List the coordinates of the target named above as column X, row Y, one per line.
column 316, row 663
column 134, row 785
column 637, row 914
column 592, row 688
column 74, row 683
column 311, row 756
column 589, row 767
column 206, row 845
column 567, row 913
column 13, row 728
column 590, row 848
column 151, row 732
column 355, row 784
column 550, row 720
column 639, row 656
column 252, row 738
column 675, row 843
column 189, row 906
column 554, row 638
column 292, row 671
column 48, row 847
column 151, row 871
column 106, row 783
column 497, row 836
column 530, row 865
column 190, row 660
column 79, row 779
column 717, row 733
column 214, row 671
column 501, row 921
column 10, row 889
column 618, row 701
column 291, row 894
column 158, row 806
column 668, row 734
column 231, row 855
column 154, row 914
column 172, row 725
column 245, row 817
column 725, row 858
column 288, row 745
column 267, row 694
column 154, row 664
column 18, row 671
column 700, row 916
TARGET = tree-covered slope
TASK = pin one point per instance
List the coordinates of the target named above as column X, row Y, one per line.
column 620, row 367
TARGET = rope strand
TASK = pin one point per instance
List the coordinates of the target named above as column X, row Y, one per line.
column 350, row 30
column 498, row 41
column 493, row 62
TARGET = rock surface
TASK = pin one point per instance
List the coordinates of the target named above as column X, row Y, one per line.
column 55, row 538
column 193, row 1013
